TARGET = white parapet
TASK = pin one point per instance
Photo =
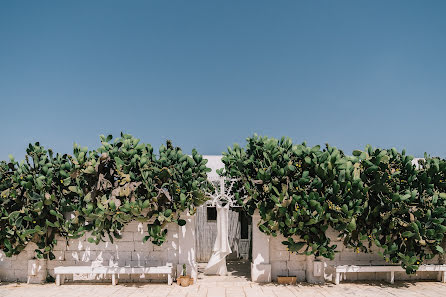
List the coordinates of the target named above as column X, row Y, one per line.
column 186, row 247
column 260, row 266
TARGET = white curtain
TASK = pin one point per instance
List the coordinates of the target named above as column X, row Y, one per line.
column 217, row 263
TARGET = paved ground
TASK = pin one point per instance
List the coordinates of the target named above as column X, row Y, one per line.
column 235, row 284
column 226, row 289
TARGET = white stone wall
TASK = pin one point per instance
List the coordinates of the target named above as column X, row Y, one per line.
column 130, row 250
column 346, row 256
column 283, row 262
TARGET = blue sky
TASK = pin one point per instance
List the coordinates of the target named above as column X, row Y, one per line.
column 207, row 74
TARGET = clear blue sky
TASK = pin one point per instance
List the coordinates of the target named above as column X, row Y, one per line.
column 207, row 74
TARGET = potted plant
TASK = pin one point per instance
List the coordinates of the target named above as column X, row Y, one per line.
column 184, row 280
column 287, row 280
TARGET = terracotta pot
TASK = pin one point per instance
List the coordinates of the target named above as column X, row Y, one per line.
column 184, row 281
column 287, row 280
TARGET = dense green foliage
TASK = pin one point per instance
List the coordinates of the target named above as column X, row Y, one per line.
column 373, row 197
column 97, row 192
column 405, row 210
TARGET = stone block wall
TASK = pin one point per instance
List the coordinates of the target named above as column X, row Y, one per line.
column 127, row 251
column 283, row 263
column 346, row 256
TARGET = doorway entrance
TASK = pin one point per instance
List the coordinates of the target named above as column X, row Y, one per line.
column 239, row 230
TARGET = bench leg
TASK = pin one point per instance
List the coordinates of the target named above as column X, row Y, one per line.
column 443, row 277
column 169, row 279
column 114, row 280
column 391, row 277
column 58, row 280
column 337, row 278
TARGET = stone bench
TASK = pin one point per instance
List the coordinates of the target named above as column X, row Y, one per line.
column 60, row 271
column 391, row 269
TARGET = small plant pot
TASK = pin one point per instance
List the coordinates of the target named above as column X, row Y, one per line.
column 184, row 281
column 287, row 280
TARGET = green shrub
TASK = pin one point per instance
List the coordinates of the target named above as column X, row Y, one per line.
column 373, row 197
column 98, row 191
column 404, row 210
column 32, row 204
column 297, row 190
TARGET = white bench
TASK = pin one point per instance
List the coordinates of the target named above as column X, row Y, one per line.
column 60, row 271
column 441, row 269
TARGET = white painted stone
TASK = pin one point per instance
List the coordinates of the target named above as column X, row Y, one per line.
column 81, row 256
column 30, row 247
column 20, row 275
column 139, row 236
column 278, row 268
column 142, row 247
column 61, row 244
column 25, row 255
column 159, row 247
column 260, row 266
column 139, row 256
column 353, row 256
column 279, row 256
column 260, row 242
column 59, row 255
column 20, row 264
column 125, row 236
column 172, row 253
column 126, row 246
column 310, row 273
column 276, row 243
column 297, row 257
column 80, row 244
column 300, row 274
column 9, row 275
column 186, row 244
column 135, row 226
column 79, row 252
column 135, row 263
column 296, row 265
column 54, row 263
column 5, row 264
column 261, row 273
column 37, row 271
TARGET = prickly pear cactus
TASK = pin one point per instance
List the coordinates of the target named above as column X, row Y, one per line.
column 296, row 189
column 97, row 192
column 402, row 211
column 375, row 197
column 32, row 203
column 124, row 180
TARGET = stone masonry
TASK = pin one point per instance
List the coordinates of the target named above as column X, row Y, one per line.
column 127, row 251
